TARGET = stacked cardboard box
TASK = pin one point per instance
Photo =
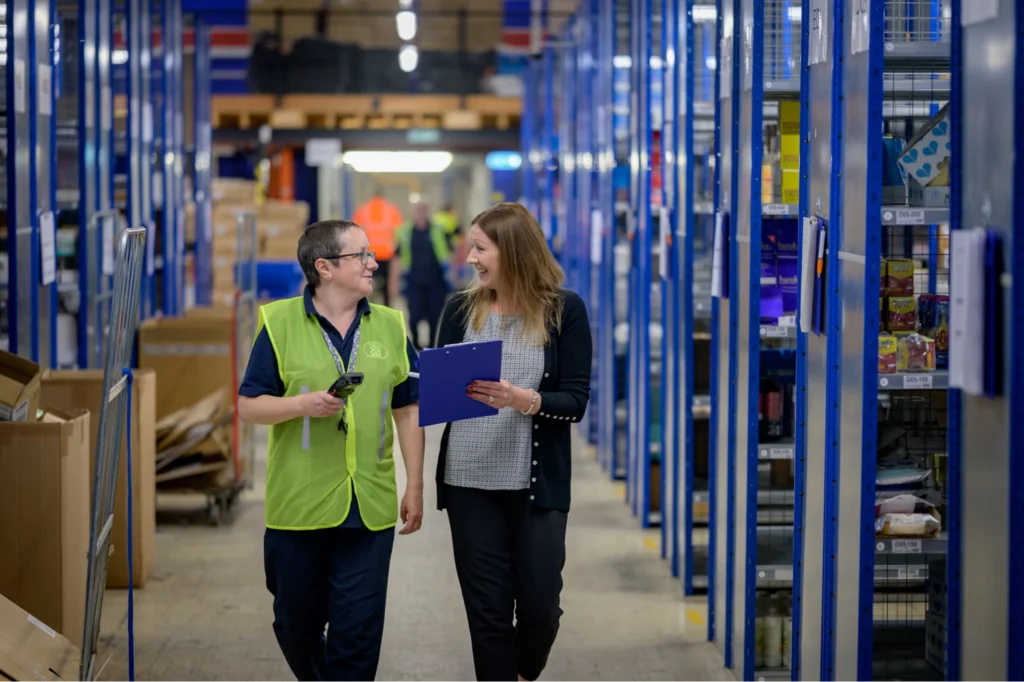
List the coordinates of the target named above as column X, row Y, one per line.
column 789, row 151
column 278, row 227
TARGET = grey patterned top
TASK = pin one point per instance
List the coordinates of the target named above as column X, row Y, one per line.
column 493, row 452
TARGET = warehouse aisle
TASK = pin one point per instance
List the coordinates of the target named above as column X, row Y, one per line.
column 207, row 615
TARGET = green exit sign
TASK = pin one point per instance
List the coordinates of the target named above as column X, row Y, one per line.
column 423, row 136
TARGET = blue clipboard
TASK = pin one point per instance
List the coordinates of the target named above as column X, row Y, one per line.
column 446, row 372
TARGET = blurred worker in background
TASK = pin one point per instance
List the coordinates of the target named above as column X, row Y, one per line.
column 448, row 219
column 331, row 495
column 380, row 219
column 423, row 250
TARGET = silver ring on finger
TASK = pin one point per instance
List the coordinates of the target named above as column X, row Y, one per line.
column 490, row 399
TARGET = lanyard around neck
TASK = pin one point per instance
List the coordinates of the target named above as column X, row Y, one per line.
column 337, row 356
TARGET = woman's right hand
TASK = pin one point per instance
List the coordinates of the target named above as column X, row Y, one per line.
column 320, row 404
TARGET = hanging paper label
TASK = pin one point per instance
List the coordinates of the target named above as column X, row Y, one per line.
column 106, row 109
column 748, row 57
column 664, row 241
column 819, row 33
column 45, row 75
column 596, row 236
column 107, row 235
column 147, row 122
column 978, row 11
column 860, row 28
column 47, row 248
column 20, row 87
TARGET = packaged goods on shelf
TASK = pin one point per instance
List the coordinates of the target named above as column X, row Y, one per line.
column 933, row 322
column 915, row 353
column 900, row 314
column 926, row 159
column 908, row 525
column 894, row 184
column 886, row 354
column 901, row 504
column 900, row 474
column 772, row 630
column 897, row 277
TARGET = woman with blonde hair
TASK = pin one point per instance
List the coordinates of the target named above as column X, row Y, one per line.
column 504, row 479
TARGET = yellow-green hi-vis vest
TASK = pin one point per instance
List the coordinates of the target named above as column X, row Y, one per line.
column 312, row 466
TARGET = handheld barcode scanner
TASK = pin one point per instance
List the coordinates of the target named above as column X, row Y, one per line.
column 343, row 387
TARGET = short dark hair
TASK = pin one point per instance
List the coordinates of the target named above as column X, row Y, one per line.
column 321, row 240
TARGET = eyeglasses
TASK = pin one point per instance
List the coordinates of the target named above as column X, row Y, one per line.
column 364, row 256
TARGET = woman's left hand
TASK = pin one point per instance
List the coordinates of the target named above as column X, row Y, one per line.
column 493, row 393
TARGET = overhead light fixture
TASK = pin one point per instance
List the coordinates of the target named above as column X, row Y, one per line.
column 398, row 162
column 704, row 13
column 406, row 24
column 503, row 160
column 405, row 4
column 408, row 58
column 622, row 61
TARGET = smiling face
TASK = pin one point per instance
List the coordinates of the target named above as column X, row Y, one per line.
column 349, row 272
column 484, row 256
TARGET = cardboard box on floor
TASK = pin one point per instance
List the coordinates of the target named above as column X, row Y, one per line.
column 44, row 518
column 19, row 388
column 32, row 650
column 191, row 356
column 83, row 389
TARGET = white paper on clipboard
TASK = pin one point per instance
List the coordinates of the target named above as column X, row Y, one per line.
column 716, row 257
column 807, row 273
column 107, row 232
column 47, row 248
column 663, row 242
column 596, row 236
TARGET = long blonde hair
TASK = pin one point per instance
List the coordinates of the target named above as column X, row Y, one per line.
column 532, row 274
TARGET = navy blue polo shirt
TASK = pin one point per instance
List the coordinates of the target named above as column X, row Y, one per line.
column 262, row 376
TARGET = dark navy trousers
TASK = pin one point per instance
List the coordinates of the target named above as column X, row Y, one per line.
column 335, row 577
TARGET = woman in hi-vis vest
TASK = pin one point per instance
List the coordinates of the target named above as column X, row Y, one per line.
column 327, row 373
column 504, row 479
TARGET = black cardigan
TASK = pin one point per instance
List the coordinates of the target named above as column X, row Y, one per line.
column 564, row 393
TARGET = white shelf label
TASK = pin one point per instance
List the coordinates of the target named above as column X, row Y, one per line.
column 908, row 573
column 910, row 216
column 978, row 11
column 912, row 381
column 47, row 248
column 775, row 209
column 45, row 75
column 787, row 321
column 20, row 87
column 107, row 228
column 860, row 33
column 901, row 546
column 773, row 332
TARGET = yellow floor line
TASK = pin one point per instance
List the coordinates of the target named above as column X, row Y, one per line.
column 694, row 617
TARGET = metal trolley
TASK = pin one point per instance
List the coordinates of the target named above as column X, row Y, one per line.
column 124, row 318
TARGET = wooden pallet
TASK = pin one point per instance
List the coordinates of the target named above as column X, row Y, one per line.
column 359, row 112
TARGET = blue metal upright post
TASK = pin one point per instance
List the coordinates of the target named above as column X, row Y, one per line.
column 668, row 266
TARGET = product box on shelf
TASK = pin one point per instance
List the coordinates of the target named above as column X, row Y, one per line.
column 928, row 197
column 790, row 186
column 915, row 353
column 886, row 354
column 44, row 527
column 926, row 157
column 900, row 314
column 897, row 277
column 933, row 322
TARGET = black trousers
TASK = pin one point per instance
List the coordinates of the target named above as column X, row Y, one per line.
column 509, row 559
column 336, row 577
column 426, row 303
column 380, row 277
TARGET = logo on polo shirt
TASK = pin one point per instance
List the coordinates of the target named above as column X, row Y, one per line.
column 376, row 350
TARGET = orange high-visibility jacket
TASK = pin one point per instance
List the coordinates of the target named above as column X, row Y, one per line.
column 379, row 219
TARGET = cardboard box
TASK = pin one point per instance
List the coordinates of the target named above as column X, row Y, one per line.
column 233, row 189
column 791, row 187
column 32, row 650
column 926, row 156
column 45, row 517
column 284, row 247
column 191, row 356
column 70, row 390
column 19, row 388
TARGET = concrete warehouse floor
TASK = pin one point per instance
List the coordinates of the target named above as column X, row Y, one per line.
column 206, row 613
